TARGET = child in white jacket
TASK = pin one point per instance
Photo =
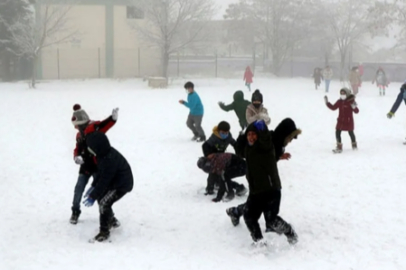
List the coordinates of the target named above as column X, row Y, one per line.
column 256, row 110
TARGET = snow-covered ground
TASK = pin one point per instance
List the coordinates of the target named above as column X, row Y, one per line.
column 348, row 210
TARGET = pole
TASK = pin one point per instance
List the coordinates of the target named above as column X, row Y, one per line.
column 139, row 62
column 178, row 68
column 216, row 63
column 57, row 56
column 98, row 59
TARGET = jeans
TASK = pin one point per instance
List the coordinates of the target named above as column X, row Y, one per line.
column 327, row 82
column 83, row 179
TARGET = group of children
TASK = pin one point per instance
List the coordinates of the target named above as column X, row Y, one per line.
column 257, row 150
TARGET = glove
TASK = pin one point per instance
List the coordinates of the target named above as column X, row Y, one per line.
column 216, row 200
column 88, row 192
column 390, row 115
column 79, row 160
column 114, row 114
column 88, row 202
column 260, row 125
column 286, row 156
column 221, row 103
column 354, row 105
column 325, row 99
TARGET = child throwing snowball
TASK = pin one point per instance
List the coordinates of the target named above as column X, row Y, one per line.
column 346, row 106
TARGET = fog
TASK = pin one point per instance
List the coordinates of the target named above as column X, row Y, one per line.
column 63, row 39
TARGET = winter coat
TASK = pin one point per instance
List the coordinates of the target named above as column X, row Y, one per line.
column 248, row 75
column 401, row 96
column 380, row 78
column 354, row 78
column 239, row 106
column 253, row 114
column 317, row 75
column 223, row 163
column 215, row 144
column 345, row 120
column 262, row 171
column 361, row 70
column 114, row 172
column 328, row 74
column 89, row 166
column 194, row 104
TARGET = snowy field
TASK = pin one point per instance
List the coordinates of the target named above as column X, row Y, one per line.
column 348, row 209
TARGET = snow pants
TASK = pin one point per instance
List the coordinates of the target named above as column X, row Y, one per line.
column 105, row 208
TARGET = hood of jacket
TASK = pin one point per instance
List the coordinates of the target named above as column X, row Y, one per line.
column 238, row 96
column 98, row 143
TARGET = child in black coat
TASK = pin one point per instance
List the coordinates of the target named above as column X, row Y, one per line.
column 218, row 143
column 114, row 180
column 227, row 166
column 257, row 146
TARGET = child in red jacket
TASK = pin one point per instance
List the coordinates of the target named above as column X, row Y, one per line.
column 248, row 77
column 81, row 155
column 345, row 122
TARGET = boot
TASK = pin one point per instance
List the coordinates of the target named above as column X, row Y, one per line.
column 74, row 217
column 195, row 137
column 231, row 212
column 114, row 223
column 241, row 190
column 292, row 236
column 102, row 236
column 229, row 197
column 201, row 139
column 339, row 148
column 354, row 146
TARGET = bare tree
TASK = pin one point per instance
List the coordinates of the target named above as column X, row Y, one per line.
column 32, row 34
column 350, row 22
column 279, row 24
column 172, row 25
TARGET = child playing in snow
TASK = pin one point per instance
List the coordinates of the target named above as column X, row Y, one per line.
column 317, row 76
column 248, row 77
column 113, row 181
column 227, row 166
column 195, row 117
column 283, row 134
column 345, row 122
column 218, row 143
column 239, row 106
column 81, row 155
column 328, row 75
column 381, row 81
column 355, row 80
column 256, row 110
column 264, row 183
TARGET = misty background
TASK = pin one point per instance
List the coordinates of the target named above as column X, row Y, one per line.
column 73, row 39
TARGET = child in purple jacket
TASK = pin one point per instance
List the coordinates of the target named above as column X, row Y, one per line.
column 227, row 166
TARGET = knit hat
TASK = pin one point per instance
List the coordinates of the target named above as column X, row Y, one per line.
column 256, row 96
column 79, row 116
column 346, row 90
column 223, row 126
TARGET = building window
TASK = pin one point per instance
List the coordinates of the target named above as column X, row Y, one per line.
column 134, row 13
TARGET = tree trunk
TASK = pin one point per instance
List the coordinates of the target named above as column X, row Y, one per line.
column 165, row 63
column 34, row 72
column 342, row 65
column 6, row 67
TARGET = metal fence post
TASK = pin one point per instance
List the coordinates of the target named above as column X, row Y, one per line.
column 99, row 64
column 178, row 66
column 139, row 62
column 57, row 59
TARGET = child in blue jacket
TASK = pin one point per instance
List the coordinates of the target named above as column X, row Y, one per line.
column 194, row 120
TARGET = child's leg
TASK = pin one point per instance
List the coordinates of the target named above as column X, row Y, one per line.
column 352, row 136
column 79, row 189
column 211, row 180
column 252, row 213
column 338, row 136
column 249, row 86
column 105, row 208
